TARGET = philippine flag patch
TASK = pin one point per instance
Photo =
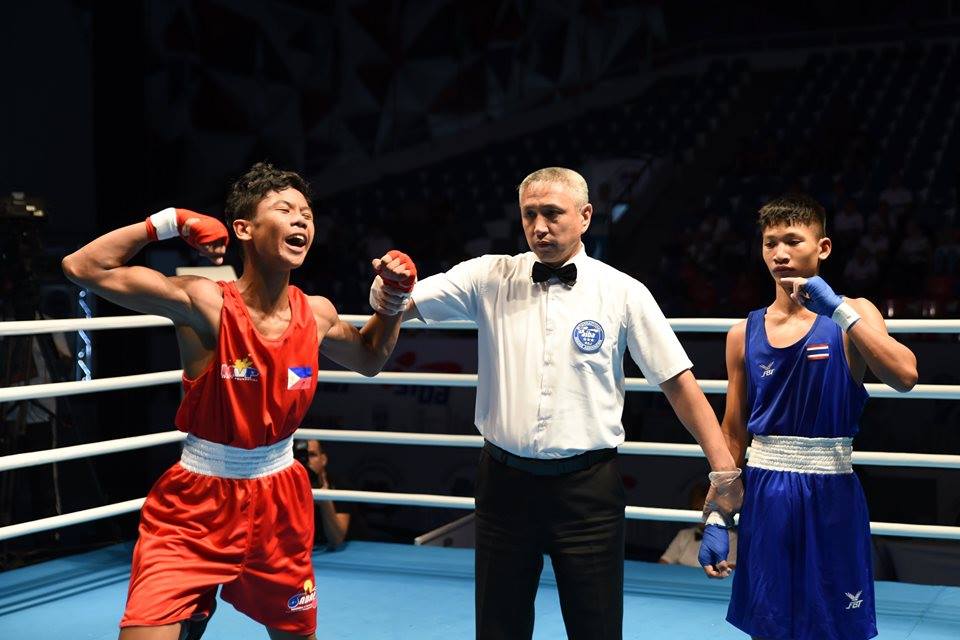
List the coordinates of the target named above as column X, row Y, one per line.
column 818, row 351
column 299, row 377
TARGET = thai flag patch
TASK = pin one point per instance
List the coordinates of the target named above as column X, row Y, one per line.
column 818, row 351
column 299, row 377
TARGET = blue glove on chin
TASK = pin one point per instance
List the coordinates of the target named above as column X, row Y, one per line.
column 815, row 294
column 822, row 300
column 715, row 545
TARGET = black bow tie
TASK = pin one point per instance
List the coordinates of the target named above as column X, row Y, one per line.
column 567, row 273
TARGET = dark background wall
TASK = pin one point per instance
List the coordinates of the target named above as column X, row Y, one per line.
column 47, row 110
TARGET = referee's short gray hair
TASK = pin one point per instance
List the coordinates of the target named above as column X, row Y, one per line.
column 569, row 177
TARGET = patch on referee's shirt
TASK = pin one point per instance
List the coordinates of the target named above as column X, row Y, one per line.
column 818, row 351
column 299, row 377
column 588, row 336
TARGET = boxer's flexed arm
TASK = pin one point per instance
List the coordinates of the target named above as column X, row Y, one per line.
column 367, row 349
column 189, row 301
column 101, row 265
column 864, row 330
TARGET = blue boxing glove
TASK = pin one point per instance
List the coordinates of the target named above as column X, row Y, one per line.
column 815, row 294
column 820, row 297
column 714, row 547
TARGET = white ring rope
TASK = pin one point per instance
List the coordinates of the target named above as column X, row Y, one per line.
column 687, row 325
column 67, row 519
column 57, row 389
column 35, row 327
column 711, row 325
column 631, row 513
column 636, row 448
column 34, row 458
column 428, row 500
column 445, row 502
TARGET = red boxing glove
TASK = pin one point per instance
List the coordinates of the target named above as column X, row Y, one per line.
column 202, row 231
column 406, row 284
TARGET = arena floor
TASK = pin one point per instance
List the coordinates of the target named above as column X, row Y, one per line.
column 374, row 591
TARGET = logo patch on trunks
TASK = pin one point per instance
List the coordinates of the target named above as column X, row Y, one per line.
column 855, row 600
column 588, row 336
column 299, row 377
column 306, row 599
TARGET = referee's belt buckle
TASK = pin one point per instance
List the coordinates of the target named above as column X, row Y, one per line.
column 546, row 466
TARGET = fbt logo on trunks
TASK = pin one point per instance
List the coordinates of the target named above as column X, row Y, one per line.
column 241, row 369
column 588, row 336
column 855, row 600
column 767, row 369
column 306, row 599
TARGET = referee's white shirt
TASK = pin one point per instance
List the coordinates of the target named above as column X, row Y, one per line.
column 551, row 385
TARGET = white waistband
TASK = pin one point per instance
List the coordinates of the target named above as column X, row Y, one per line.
column 802, row 455
column 213, row 459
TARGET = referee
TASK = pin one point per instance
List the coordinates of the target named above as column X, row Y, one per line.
column 553, row 326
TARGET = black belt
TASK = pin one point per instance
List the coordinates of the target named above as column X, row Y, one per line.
column 548, row 466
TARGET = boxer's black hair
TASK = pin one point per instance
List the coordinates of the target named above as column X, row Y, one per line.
column 791, row 209
column 254, row 185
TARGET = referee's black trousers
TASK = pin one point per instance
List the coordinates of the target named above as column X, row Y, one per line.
column 575, row 518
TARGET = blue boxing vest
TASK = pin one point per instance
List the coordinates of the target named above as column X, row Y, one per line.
column 804, row 566
column 805, row 389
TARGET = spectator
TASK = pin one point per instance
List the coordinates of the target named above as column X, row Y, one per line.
column 323, row 225
column 915, row 247
column 733, row 251
column 876, row 242
column 378, row 242
column 897, row 196
column 714, row 228
column 744, row 293
column 331, row 522
column 887, row 217
column 912, row 257
column 848, row 223
column 598, row 238
column 946, row 257
column 861, row 272
column 768, row 158
column 839, row 196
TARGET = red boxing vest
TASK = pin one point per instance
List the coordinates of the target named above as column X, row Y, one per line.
column 256, row 391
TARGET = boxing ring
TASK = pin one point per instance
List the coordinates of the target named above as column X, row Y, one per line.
column 373, row 590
